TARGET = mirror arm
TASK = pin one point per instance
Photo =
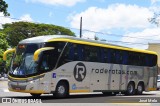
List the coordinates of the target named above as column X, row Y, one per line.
column 6, row 52
column 39, row 51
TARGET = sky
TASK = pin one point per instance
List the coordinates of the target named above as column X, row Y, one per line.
column 121, row 22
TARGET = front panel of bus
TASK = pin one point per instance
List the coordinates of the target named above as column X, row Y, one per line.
column 28, row 76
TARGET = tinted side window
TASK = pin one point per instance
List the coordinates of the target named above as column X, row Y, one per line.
column 104, row 55
column 58, row 47
column 112, row 54
column 119, row 56
column 125, row 58
column 47, row 62
column 67, row 55
column 91, row 53
column 72, row 52
column 153, row 60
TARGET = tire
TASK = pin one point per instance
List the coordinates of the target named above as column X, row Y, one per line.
column 130, row 89
column 35, row 95
column 62, row 90
column 139, row 89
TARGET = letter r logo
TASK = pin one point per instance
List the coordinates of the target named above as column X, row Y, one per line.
column 79, row 72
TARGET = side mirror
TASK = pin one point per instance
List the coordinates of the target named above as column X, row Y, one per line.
column 6, row 52
column 39, row 51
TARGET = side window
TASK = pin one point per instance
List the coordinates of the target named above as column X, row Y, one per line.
column 138, row 59
column 153, row 60
column 119, row 56
column 146, row 60
column 125, row 57
column 91, row 53
column 142, row 60
column 47, row 62
column 77, row 55
column 104, row 55
column 112, row 54
column 67, row 55
column 72, row 52
column 134, row 58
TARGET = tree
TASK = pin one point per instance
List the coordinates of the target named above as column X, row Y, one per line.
column 3, row 8
column 3, row 43
column 3, row 47
column 155, row 19
column 18, row 31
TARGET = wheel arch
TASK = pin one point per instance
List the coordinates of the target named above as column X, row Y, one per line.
column 65, row 81
column 132, row 83
column 141, row 82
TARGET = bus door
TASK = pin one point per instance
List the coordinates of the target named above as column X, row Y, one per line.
column 46, row 64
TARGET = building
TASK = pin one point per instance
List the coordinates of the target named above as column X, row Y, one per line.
column 156, row 48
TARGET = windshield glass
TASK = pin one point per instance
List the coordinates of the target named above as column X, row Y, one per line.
column 22, row 62
column 23, row 65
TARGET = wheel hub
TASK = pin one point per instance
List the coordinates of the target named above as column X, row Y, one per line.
column 130, row 88
column 61, row 90
column 139, row 88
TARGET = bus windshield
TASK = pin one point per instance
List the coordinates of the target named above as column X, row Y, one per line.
column 22, row 63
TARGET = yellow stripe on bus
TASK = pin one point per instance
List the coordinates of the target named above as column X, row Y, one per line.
column 101, row 45
column 28, row 91
column 79, row 91
column 24, row 78
column 152, row 89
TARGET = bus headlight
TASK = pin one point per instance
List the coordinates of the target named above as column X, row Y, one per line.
column 31, row 82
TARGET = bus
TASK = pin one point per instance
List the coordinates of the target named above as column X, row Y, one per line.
column 61, row 65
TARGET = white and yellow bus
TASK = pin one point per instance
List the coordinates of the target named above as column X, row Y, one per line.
column 61, row 65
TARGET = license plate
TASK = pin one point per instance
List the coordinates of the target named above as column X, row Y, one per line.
column 18, row 89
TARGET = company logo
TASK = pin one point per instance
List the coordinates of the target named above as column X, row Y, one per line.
column 74, row 86
column 54, row 75
column 79, row 72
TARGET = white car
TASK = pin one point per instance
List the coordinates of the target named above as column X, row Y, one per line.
column 158, row 82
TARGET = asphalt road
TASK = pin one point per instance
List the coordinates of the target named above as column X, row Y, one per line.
column 148, row 98
column 152, row 97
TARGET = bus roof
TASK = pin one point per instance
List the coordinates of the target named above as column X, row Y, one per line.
column 50, row 38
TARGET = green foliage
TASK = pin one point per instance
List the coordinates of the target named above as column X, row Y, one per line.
column 18, row 31
column 3, row 8
column 3, row 47
column 3, row 44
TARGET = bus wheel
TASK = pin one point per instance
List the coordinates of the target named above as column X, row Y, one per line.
column 62, row 90
column 139, row 89
column 130, row 89
column 35, row 95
